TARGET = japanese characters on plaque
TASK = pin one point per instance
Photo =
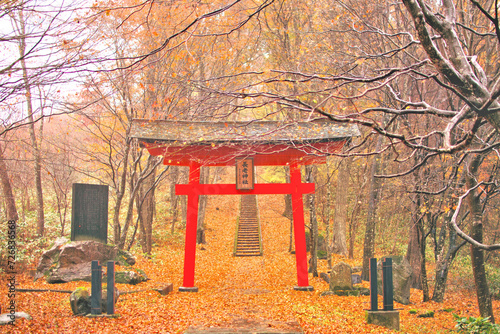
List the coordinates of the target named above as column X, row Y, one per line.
column 244, row 174
column 89, row 216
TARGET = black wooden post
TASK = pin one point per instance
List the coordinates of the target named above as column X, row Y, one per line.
column 373, row 285
column 111, row 288
column 388, row 284
column 96, row 287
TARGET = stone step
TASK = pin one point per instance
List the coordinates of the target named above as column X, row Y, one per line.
column 248, row 255
column 248, row 243
column 256, row 245
column 254, row 241
column 247, row 251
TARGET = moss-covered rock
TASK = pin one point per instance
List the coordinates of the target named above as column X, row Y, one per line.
column 362, row 291
column 80, row 301
column 133, row 277
column 427, row 314
column 81, row 304
column 124, row 258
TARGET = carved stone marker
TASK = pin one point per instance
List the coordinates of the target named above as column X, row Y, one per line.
column 340, row 277
column 89, row 217
column 401, row 272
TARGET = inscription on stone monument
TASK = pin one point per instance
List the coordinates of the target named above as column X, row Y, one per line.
column 89, row 216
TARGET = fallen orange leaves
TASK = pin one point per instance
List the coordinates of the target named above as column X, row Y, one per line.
column 232, row 290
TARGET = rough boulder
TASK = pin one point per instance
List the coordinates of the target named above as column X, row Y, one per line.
column 66, row 262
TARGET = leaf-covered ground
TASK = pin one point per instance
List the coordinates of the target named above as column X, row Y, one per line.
column 232, row 291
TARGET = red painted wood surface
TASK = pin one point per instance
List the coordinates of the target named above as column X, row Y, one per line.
column 299, row 229
column 230, row 189
column 191, row 226
column 264, row 155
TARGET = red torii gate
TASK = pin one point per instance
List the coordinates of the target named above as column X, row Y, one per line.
column 197, row 144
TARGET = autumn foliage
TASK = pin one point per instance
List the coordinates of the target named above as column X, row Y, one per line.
column 233, row 291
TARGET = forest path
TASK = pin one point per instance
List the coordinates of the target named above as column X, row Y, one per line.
column 247, row 283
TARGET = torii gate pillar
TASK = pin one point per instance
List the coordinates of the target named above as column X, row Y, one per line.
column 193, row 189
column 191, row 227
column 299, row 231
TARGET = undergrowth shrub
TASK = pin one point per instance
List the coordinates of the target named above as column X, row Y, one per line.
column 474, row 325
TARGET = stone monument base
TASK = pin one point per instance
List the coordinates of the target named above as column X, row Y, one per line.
column 389, row 319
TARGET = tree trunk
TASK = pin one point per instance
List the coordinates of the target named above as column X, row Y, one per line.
column 373, row 199
column 313, row 264
column 120, row 193
column 423, row 271
column 477, row 255
column 413, row 250
column 288, row 212
column 200, row 231
column 353, row 225
column 10, row 202
column 135, row 186
column 341, row 205
column 174, row 199
column 146, row 213
column 443, row 262
column 183, row 200
column 31, row 126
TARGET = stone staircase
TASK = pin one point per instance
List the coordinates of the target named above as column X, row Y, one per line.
column 248, row 237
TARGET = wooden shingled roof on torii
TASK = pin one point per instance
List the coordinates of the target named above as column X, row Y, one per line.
column 187, row 132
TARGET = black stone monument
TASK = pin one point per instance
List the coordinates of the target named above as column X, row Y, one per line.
column 89, row 216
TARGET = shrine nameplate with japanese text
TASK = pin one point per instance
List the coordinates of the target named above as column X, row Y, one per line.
column 89, row 216
column 245, row 174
